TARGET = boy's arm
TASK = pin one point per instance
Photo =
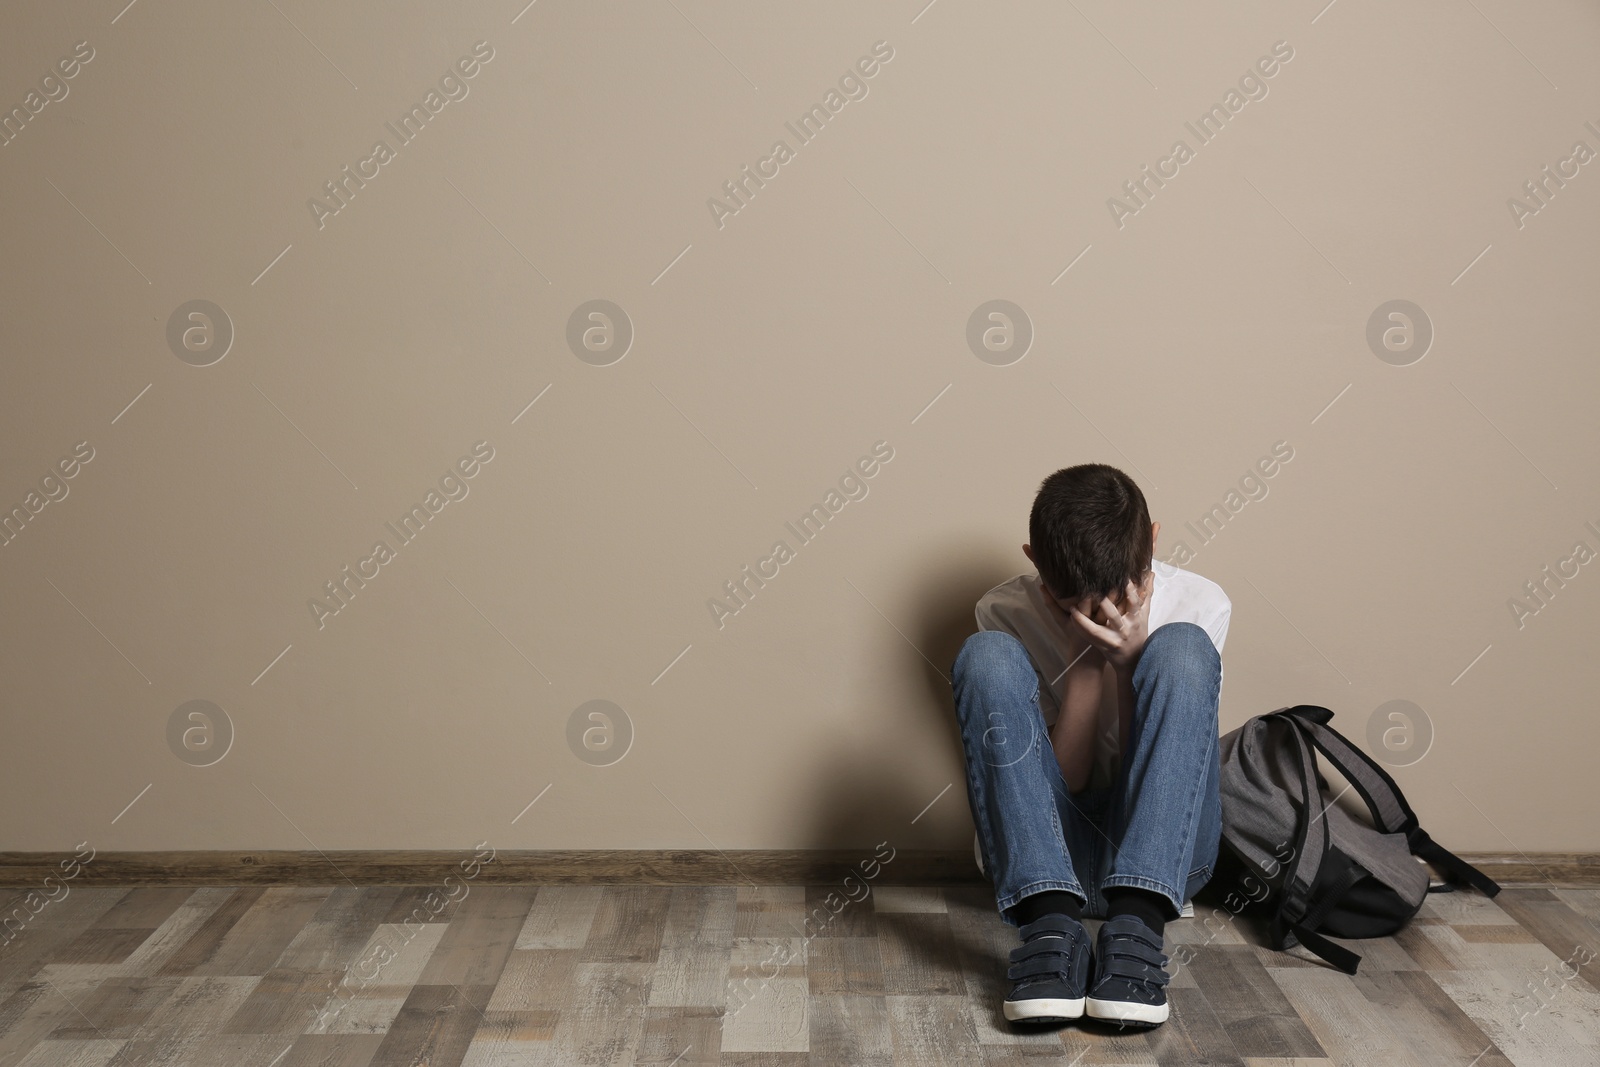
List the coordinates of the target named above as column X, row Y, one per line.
column 1073, row 737
column 1124, row 705
column 1118, row 632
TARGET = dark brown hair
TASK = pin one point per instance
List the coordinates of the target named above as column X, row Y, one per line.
column 1090, row 532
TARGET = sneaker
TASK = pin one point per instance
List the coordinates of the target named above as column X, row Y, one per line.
column 1130, row 976
column 1050, row 971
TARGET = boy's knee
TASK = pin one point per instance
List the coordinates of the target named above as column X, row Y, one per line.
column 1181, row 647
column 989, row 654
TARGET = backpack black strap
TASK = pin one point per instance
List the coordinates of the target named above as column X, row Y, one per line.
column 1349, row 873
column 1387, row 804
column 1390, row 812
column 1337, row 955
column 1311, row 843
column 1458, row 869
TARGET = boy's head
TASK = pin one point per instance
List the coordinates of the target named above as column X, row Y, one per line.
column 1090, row 533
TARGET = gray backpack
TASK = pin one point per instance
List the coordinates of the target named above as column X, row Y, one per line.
column 1313, row 868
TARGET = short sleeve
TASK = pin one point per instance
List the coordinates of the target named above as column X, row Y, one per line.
column 1218, row 627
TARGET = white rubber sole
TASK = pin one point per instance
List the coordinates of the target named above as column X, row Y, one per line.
column 1122, row 1011
column 1043, row 1009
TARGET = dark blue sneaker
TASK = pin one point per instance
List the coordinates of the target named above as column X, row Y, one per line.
column 1050, row 971
column 1130, row 977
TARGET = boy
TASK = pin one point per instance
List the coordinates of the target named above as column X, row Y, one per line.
column 1088, row 711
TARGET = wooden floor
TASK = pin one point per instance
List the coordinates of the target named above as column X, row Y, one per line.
column 290, row 977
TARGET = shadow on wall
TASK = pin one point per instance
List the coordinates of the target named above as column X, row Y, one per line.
column 865, row 794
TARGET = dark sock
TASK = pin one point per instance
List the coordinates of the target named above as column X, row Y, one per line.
column 1050, row 901
column 1151, row 908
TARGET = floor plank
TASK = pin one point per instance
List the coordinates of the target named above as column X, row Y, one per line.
column 1555, row 1032
column 434, row 1026
column 478, row 939
column 845, row 965
column 919, row 955
column 932, row 1031
column 849, row 1028
column 628, row 925
column 512, row 1037
column 1250, row 1006
column 696, row 944
column 1192, row 1034
column 771, row 911
column 561, row 917
column 768, row 996
column 71, row 1053
column 832, row 912
column 1341, row 1018
column 117, row 1008
column 145, row 908
column 681, row 1037
column 1409, row 1003
column 371, row 993
column 27, row 942
column 180, row 927
column 29, row 1015
column 332, row 1050
column 189, row 1022
column 285, row 1002
column 254, row 943
column 604, row 1020
column 1574, row 939
column 203, row 944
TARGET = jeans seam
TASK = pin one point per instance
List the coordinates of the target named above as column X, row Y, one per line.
column 1055, row 814
column 1192, row 815
column 1212, row 745
column 1213, row 752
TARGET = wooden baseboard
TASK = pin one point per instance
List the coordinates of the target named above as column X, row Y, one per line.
column 604, row 866
column 885, row 866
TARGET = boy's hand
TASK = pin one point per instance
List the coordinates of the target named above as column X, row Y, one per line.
column 1118, row 634
column 1080, row 650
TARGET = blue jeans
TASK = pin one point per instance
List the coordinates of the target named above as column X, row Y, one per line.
column 1157, row 827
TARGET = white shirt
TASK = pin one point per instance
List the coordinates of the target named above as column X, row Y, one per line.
column 1019, row 607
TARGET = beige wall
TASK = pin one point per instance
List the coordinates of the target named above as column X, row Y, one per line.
column 372, row 350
